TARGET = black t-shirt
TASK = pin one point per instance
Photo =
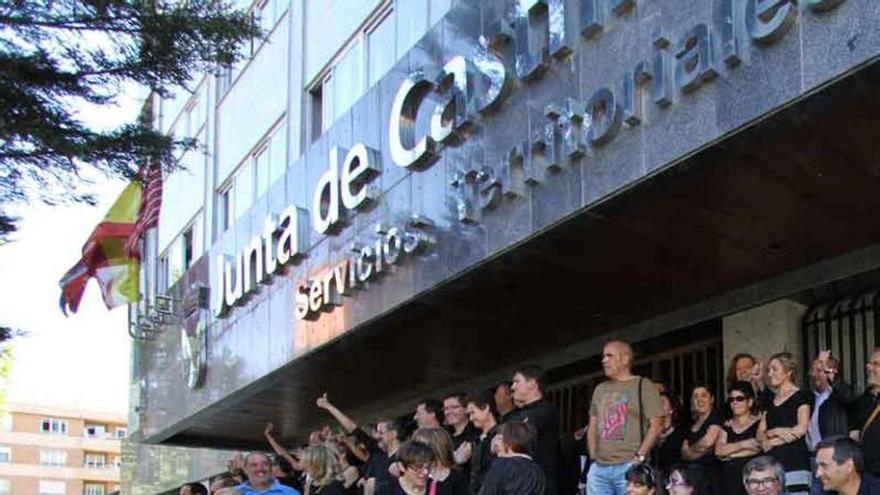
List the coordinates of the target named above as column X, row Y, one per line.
column 393, row 488
column 454, row 484
column 377, row 463
column 481, row 459
column 793, row 456
column 860, row 413
column 707, row 459
column 731, row 470
column 868, row 486
column 545, row 418
column 667, row 450
column 468, row 434
column 334, row 488
column 514, row 476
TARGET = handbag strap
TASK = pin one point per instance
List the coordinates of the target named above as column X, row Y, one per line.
column 870, row 420
column 641, row 414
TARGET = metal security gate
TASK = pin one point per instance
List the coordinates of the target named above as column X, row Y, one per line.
column 849, row 327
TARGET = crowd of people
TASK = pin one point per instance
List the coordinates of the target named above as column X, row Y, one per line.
column 767, row 436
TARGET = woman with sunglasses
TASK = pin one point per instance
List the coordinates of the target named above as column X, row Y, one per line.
column 686, row 479
column 641, row 480
column 698, row 448
column 737, row 443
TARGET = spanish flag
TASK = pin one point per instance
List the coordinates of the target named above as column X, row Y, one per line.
column 104, row 257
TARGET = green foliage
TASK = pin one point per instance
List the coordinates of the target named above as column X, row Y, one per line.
column 58, row 55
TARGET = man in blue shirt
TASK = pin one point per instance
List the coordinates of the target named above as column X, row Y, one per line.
column 258, row 468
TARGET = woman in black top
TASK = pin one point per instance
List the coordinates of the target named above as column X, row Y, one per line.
column 737, row 443
column 450, row 480
column 782, row 430
column 515, row 472
column 480, row 408
column 667, row 450
column 322, row 467
column 698, row 448
column 415, row 459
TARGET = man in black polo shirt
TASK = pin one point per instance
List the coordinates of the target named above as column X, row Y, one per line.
column 528, row 394
column 865, row 423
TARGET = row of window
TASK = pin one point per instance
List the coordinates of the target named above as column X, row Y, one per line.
column 393, row 28
column 265, row 14
column 58, row 458
column 56, row 426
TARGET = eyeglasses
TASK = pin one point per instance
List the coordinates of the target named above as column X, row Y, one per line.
column 736, row 398
column 756, row 482
column 418, row 467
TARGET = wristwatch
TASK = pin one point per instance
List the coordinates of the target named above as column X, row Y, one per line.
column 640, row 457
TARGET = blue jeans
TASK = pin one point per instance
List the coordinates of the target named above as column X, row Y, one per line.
column 607, row 479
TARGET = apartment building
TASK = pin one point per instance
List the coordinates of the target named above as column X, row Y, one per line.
column 59, row 451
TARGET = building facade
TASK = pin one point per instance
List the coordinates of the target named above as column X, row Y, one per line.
column 400, row 198
column 60, row 451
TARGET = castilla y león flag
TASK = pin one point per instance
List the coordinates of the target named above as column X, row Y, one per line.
column 104, row 256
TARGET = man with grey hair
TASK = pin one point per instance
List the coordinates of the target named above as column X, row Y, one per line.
column 626, row 417
column 764, row 476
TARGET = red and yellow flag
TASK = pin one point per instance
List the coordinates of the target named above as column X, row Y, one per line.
column 104, row 257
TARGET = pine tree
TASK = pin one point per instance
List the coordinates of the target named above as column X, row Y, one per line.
column 56, row 55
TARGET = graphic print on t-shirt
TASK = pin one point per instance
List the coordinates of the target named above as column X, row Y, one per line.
column 616, row 408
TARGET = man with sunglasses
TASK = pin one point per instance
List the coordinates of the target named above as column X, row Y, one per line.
column 764, row 476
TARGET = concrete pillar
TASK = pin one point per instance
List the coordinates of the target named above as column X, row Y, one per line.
column 764, row 330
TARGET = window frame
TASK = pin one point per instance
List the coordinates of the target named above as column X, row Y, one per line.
column 102, row 489
column 5, row 454
column 49, row 460
column 63, row 428
column 90, row 458
column 316, row 90
column 41, row 491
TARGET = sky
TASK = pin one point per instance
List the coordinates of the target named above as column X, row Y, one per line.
column 80, row 361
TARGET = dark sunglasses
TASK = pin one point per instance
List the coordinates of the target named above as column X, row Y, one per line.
column 737, row 398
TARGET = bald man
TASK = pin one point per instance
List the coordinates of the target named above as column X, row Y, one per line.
column 625, row 421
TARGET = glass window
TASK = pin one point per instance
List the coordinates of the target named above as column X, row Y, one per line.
column 96, row 461
column 51, row 457
column 5, row 455
column 244, row 190
column 261, row 166
column 5, row 486
column 93, row 489
column 187, row 245
column 381, row 48
column 412, row 22
column 439, row 8
column 121, row 432
column 224, row 209
column 326, row 103
column 349, row 77
column 278, row 153
column 53, row 426
column 5, row 421
column 94, row 431
column 47, row 487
